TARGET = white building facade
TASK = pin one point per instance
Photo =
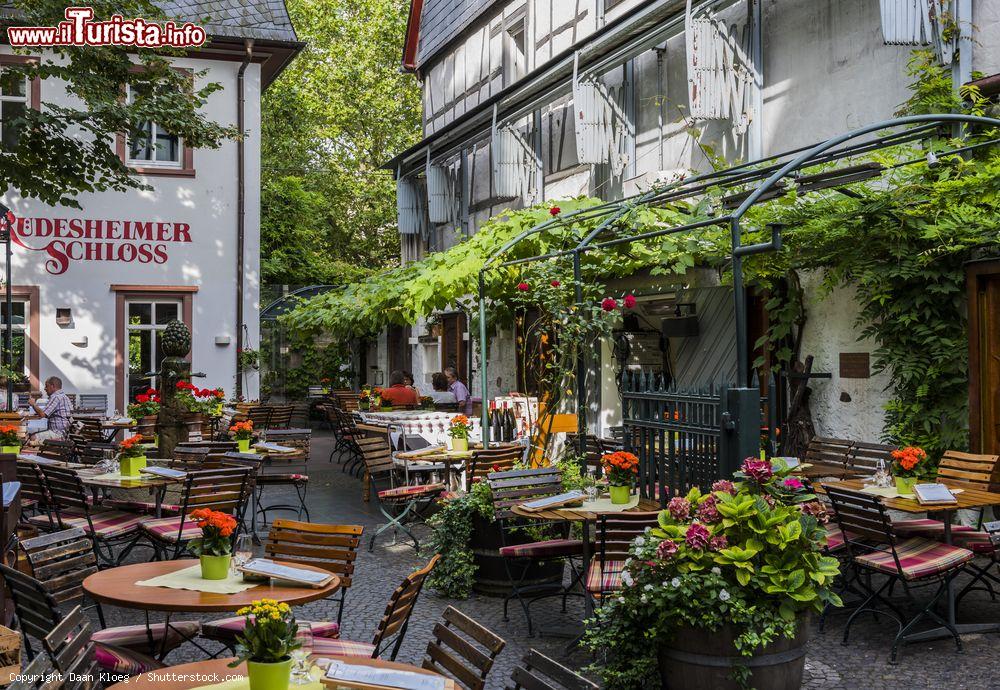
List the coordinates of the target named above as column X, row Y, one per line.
column 94, row 286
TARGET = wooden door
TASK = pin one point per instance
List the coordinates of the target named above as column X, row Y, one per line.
column 454, row 352
column 399, row 348
column 984, row 356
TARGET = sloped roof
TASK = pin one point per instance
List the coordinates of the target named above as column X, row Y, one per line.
column 257, row 19
column 443, row 20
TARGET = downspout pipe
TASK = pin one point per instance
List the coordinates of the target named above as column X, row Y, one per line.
column 241, row 205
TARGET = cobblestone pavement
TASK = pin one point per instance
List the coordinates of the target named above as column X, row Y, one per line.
column 336, row 497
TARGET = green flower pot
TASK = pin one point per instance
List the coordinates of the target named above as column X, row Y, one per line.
column 215, row 567
column 620, row 495
column 130, row 466
column 243, row 444
column 13, row 450
column 274, row 676
column 460, row 444
column 904, row 485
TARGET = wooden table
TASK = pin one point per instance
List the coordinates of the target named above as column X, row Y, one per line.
column 155, row 485
column 111, row 427
column 200, row 673
column 970, row 498
column 584, row 517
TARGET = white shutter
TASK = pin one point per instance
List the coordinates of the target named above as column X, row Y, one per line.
column 441, row 197
column 410, row 211
column 915, row 23
column 513, row 161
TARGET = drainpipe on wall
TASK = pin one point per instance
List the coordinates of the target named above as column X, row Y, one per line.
column 241, row 206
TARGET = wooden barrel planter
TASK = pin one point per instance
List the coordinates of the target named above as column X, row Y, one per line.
column 194, row 423
column 146, row 426
column 491, row 575
column 698, row 659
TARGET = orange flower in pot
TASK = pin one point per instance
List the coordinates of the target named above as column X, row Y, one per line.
column 243, row 433
column 909, row 466
column 131, row 456
column 10, row 438
column 621, row 469
column 215, row 547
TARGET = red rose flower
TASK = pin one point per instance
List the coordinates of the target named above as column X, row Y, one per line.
column 629, row 301
column 523, row 287
column 555, row 283
column 609, row 304
column 554, row 211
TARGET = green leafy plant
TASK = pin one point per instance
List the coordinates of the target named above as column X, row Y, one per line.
column 269, row 633
column 248, row 359
column 746, row 554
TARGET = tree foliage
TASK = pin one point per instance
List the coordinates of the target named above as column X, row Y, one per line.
column 67, row 149
column 337, row 113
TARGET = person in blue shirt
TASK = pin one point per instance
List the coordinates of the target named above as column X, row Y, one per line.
column 460, row 390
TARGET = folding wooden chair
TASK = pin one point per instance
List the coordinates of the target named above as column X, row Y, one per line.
column 539, row 672
column 615, row 533
column 40, row 674
column 462, row 649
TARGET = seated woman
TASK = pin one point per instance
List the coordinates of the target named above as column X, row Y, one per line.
column 441, row 394
column 398, row 393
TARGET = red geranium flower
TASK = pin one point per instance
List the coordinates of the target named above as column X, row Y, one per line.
column 142, row 398
column 609, row 304
column 555, row 210
column 523, row 287
column 629, row 301
column 555, row 283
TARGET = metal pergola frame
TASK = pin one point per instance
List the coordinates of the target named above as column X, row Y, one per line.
column 769, row 171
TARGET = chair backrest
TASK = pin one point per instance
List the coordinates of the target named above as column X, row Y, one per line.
column 396, row 618
column 36, row 610
column 211, row 446
column 94, row 401
column 260, row 416
column 61, row 561
column 224, row 489
column 864, row 456
column 593, row 450
column 281, row 415
column 57, row 450
column 977, row 471
column 32, row 484
column 487, row 461
column 615, row 532
column 189, row 458
column 377, row 457
column 40, row 674
column 862, row 518
column 90, row 429
column 331, row 547
column 94, row 452
column 517, row 486
column 828, row 451
column 538, row 672
column 462, row 649
column 72, row 650
column 66, row 490
column 300, row 415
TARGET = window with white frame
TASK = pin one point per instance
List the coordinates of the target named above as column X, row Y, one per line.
column 19, row 333
column 14, row 102
column 149, row 145
column 145, row 321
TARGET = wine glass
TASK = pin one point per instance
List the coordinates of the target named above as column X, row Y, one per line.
column 243, row 550
column 301, row 657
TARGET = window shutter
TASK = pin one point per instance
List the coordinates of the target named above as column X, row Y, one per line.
column 513, row 161
column 441, row 197
column 410, row 209
column 915, row 23
column 599, row 123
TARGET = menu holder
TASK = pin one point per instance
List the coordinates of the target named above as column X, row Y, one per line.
column 167, row 472
column 557, row 501
column 265, row 567
column 933, row 494
column 342, row 674
column 273, row 447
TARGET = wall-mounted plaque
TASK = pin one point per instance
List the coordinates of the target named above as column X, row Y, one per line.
column 855, row 365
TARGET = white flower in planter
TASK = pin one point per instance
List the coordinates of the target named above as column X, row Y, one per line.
column 717, row 570
column 675, row 583
column 724, row 595
column 627, row 579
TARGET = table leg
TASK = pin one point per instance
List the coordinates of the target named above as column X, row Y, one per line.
column 160, row 492
column 588, row 604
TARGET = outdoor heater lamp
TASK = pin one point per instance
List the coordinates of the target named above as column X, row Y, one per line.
column 6, row 228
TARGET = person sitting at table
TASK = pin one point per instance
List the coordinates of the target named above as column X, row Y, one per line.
column 57, row 411
column 408, row 382
column 441, row 395
column 398, row 393
column 460, row 390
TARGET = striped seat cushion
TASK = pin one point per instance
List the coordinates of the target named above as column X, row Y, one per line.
column 924, row 527
column 400, row 492
column 608, row 580
column 541, row 549
column 118, row 660
column 325, row 646
column 167, row 528
column 977, row 542
column 918, row 558
column 107, row 523
column 835, row 538
column 281, row 478
column 144, row 507
column 226, row 629
column 136, row 638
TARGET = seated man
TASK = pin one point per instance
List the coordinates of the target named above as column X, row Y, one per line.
column 398, row 393
column 441, row 394
column 460, row 390
column 57, row 412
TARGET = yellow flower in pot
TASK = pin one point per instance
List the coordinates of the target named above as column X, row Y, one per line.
column 215, row 547
column 266, row 644
column 243, row 433
column 132, row 456
column 10, row 439
column 458, row 430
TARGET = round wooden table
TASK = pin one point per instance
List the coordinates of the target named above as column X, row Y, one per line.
column 117, row 586
column 199, row 673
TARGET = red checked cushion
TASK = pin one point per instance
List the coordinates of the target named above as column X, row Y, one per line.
column 541, row 549
column 166, row 529
column 408, row 491
column 609, row 580
column 107, row 523
column 918, row 558
column 144, row 507
column 835, row 538
column 226, row 629
column 135, row 637
column 977, row 542
column 118, row 660
column 925, row 527
column 323, row 646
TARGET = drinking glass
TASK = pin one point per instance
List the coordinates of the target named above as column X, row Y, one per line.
column 243, row 550
column 301, row 663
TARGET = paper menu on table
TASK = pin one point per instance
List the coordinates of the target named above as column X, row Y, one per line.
column 265, row 566
column 359, row 675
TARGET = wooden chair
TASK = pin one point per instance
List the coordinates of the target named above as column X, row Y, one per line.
column 281, row 416
column 615, row 533
column 593, row 449
column 391, row 627
column 61, row 561
column 260, row 416
column 401, row 505
column 539, row 672
column 509, row 490
column 109, row 529
column 35, row 498
column 829, row 457
column 331, row 547
column 97, row 402
column 40, row 674
column 280, row 470
column 186, row 458
column 223, row 489
column 300, row 415
column 863, row 458
column 212, row 446
column 876, row 549
column 62, row 451
column 346, row 436
column 462, row 649
column 486, row 461
column 72, row 651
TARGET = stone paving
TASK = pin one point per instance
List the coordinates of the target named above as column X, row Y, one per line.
column 336, row 497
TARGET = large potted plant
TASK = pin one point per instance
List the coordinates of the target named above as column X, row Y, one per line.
column 144, row 411
column 131, row 456
column 909, row 466
column 243, row 433
column 621, row 469
column 458, row 430
column 266, row 644
column 728, row 575
column 10, row 439
column 215, row 547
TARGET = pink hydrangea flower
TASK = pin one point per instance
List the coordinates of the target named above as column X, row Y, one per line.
column 817, row 510
column 793, row 484
column 666, row 550
column 697, row 536
column 680, row 508
column 718, row 543
column 758, row 470
column 724, row 485
column 707, row 512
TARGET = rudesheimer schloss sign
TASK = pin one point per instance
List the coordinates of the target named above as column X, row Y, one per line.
column 67, row 240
